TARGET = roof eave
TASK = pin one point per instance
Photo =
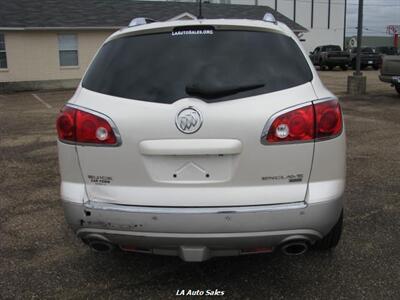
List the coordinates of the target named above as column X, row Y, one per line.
column 61, row 28
column 297, row 30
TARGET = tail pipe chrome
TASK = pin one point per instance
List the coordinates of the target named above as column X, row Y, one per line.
column 298, row 247
column 100, row 246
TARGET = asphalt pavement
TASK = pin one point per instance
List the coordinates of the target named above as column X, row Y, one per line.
column 41, row 258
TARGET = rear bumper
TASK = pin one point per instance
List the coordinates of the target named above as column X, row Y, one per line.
column 389, row 79
column 370, row 61
column 201, row 233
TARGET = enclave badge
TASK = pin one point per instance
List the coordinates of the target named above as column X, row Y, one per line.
column 189, row 120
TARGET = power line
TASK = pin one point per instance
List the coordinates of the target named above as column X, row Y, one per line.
column 348, row 4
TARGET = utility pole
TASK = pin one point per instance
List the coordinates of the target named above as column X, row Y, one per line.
column 345, row 24
column 359, row 36
column 294, row 10
column 357, row 83
column 200, row 16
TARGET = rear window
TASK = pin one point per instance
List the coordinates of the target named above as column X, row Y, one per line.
column 207, row 64
column 332, row 48
column 365, row 50
column 368, row 50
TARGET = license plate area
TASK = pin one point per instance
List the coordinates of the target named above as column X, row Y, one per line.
column 190, row 169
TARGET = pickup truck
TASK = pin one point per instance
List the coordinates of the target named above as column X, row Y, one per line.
column 330, row 56
column 390, row 71
column 369, row 58
column 386, row 50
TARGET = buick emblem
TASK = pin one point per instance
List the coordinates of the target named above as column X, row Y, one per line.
column 189, row 120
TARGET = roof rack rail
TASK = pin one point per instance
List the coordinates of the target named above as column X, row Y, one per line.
column 268, row 17
column 140, row 21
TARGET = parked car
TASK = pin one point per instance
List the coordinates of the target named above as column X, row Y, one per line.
column 369, row 58
column 203, row 138
column 330, row 56
column 390, row 71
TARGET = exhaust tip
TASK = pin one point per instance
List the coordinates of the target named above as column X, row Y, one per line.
column 295, row 248
column 101, row 246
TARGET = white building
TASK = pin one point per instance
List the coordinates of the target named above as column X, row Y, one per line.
column 52, row 47
column 324, row 19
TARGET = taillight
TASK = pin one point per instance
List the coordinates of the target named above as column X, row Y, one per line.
column 313, row 121
column 295, row 125
column 328, row 119
column 82, row 127
column 66, row 124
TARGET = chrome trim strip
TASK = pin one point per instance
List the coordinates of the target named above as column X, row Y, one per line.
column 200, row 120
column 325, row 99
column 193, row 210
column 103, row 116
column 290, row 233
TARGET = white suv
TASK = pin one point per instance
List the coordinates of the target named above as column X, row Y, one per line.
column 203, row 138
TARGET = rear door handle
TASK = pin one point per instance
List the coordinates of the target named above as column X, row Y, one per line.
column 191, row 147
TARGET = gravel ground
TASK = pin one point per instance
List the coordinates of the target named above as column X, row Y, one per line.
column 41, row 258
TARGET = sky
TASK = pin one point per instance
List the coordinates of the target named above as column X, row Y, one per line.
column 377, row 15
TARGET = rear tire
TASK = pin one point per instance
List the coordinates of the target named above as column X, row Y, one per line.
column 331, row 240
column 321, row 65
column 397, row 87
column 376, row 67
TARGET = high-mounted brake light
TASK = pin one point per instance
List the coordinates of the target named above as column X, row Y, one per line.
column 82, row 127
column 312, row 121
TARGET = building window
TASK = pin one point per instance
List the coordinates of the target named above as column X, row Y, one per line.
column 3, row 55
column 68, row 50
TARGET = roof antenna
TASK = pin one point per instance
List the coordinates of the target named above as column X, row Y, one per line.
column 200, row 16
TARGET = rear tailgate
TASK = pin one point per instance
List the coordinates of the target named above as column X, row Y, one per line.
column 391, row 65
column 223, row 164
column 242, row 77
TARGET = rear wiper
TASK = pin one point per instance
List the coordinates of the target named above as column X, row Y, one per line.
column 209, row 91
